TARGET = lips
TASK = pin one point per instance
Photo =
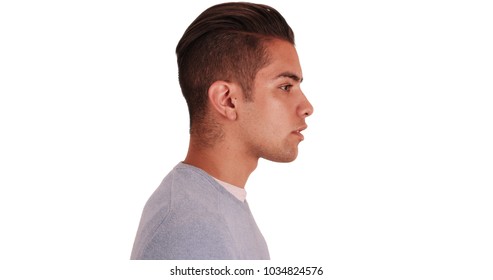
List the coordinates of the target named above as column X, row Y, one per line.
column 299, row 130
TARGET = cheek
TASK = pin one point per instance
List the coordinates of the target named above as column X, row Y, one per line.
column 277, row 113
column 272, row 124
column 266, row 115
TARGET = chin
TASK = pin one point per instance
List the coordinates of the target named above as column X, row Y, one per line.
column 286, row 160
column 282, row 157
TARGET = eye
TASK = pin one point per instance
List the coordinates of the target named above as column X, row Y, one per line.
column 286, row 87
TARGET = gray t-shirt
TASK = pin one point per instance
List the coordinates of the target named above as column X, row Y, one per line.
column 191, row 216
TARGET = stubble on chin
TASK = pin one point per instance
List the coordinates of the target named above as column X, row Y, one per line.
column 282, row 155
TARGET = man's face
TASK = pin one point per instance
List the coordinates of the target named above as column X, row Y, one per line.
column 271, row 123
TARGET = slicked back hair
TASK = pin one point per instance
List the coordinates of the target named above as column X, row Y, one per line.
column 226, row 42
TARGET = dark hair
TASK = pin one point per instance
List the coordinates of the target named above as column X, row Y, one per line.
column 226, row 42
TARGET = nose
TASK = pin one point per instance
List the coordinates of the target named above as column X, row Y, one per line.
column 305, row 108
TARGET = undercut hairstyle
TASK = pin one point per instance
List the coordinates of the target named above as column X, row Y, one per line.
column 226, row 42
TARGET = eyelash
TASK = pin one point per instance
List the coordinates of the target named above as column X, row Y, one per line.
column 286, row 87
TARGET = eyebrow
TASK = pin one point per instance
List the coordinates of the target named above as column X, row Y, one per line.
column 290, row 75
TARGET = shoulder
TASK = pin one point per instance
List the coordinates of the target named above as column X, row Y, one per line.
column 185, row 192
column 181, row 220
column 186, row 187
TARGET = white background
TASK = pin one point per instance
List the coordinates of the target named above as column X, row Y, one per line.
column 393, row 181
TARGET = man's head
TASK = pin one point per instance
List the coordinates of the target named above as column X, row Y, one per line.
column 240, row 75
column 226, row 42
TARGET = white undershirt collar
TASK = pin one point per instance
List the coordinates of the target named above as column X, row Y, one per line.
column 239, row 193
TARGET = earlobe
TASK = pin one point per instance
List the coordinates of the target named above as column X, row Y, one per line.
column 221, row 97
column 231, row 110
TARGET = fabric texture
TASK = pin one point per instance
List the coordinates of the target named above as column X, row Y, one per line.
column 191, row 216
column 237, row 192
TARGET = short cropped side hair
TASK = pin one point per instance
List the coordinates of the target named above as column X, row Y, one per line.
column 226, row 42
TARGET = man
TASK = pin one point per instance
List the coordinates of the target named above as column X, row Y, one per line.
column 240, row 75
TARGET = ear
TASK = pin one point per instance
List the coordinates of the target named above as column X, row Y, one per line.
column 223, row 97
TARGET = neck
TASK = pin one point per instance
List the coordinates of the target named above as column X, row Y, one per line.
column 222, row 160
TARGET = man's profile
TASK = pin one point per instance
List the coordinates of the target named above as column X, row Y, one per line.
column 240, row 75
